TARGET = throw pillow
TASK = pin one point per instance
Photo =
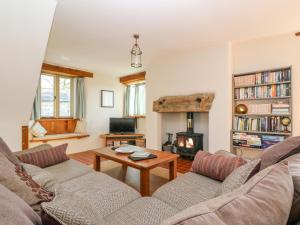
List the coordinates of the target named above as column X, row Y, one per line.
column 38, row 130
column 70, row 208
column 4, row 149
column 215, row 166
column 238, row 177
column 14, row 178
column 280, row 151
column 15, row 211
column 265, row 199
column 41, row 176
column 80, row 126
column 294, row 168
column 45, row 158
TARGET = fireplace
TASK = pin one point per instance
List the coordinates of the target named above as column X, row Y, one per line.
column 188, row 143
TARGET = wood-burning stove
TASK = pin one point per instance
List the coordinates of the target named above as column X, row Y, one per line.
column 189, row 143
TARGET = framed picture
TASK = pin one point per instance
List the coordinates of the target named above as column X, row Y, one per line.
column 107, row 99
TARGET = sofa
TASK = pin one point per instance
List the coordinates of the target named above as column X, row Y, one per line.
column 84, row 196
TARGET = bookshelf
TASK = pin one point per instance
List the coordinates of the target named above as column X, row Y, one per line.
column 267, row 96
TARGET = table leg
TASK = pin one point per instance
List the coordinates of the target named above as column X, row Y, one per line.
column 145, row 182
column 97, row 163
column 173, row 169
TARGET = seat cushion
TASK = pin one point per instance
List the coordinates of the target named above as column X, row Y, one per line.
column 105, row 193
column 68, row 170
column 188, row 190
column 264, row 200
column 142, row 211
column 5, row 150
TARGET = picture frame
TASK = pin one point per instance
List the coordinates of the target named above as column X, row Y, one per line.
column 107, row 99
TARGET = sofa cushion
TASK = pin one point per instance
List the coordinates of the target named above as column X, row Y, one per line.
column 105, row 193
column 294, row 168
column 18, row 181
column 15, row 211
column 41, row 176
column 142, row 211
column 187, row 190
column 238, row 177
column 215, row 166
column 265, row 199
column 68, row 170
column 280, row 151
column 38, row 130
column 5, row 150
column 72, row 209
column 46, row 157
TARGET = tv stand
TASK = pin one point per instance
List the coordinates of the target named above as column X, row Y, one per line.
column 117, row 139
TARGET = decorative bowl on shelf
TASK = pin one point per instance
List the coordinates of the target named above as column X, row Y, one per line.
column 241, row 109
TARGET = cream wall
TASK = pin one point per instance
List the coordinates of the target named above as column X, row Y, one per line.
column 181, row 73
column 97, row 117
column 25, row 27
column 272, row 52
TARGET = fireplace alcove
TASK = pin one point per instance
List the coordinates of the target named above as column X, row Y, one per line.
column 187, row 118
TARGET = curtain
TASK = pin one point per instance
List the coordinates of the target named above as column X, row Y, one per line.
column 36, row 111
column 80, row 103
column 134, row 100
column 126, row 110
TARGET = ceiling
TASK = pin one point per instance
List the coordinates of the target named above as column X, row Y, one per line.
column 97, row 34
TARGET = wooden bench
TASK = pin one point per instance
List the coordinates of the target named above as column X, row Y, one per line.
column 57, row 129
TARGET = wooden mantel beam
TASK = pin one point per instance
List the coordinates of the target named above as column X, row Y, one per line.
column 184, row 103
column 297, row 34
column 59, row 70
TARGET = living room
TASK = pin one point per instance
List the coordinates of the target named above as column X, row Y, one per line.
column 193, row 54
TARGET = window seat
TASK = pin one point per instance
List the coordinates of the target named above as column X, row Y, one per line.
column 55, row 137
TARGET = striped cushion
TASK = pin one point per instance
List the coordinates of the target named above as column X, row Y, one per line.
column 215, row 166
column 46, row 158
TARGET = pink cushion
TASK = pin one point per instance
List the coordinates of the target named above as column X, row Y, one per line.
column 47, row 157
column 215, row 166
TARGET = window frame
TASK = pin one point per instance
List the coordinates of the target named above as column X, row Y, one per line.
column 56, row 109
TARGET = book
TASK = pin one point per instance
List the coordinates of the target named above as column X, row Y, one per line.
column 269, row 140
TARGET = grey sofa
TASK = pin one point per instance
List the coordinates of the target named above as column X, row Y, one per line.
column 115, row 203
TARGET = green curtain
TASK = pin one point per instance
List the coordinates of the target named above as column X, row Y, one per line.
column 36, row 110
column 126, row 106
column 80, row 103
column 134, row 100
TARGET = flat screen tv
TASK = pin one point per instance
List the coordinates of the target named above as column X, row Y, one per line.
column 122, row 125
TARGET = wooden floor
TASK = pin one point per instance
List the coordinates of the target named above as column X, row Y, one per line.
column 87, row 157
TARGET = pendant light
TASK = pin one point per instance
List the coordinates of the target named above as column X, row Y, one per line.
column 136, row 53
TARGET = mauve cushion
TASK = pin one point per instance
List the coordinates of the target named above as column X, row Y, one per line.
column 294, row 169
column 280, row 151
column 45, row 158
column 4, row 149
column 14, row 211
column 265, row 199
column 215, row 166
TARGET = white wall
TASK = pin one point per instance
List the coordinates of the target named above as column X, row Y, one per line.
column 179, row 73
column 272, row 52
column 97, row 117
column 25, row 27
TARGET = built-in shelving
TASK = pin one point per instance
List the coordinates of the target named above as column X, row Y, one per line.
column 266, row 125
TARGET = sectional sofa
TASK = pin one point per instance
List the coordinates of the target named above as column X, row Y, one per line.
column 84, row 196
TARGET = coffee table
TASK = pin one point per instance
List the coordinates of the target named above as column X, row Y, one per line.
column 144, row 165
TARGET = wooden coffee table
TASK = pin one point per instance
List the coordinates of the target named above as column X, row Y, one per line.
column 144, row 165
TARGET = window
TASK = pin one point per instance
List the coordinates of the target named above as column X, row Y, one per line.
column 56, row 96
column 135, row 100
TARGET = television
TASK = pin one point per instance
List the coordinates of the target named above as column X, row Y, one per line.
column 122, row 125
